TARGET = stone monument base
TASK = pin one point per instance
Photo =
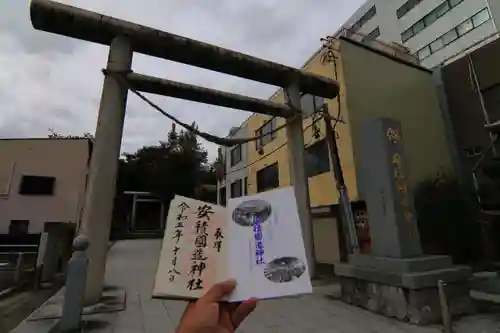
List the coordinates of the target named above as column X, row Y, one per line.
column 405, row 289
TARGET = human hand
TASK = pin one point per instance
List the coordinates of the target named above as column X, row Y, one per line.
column 209, row 315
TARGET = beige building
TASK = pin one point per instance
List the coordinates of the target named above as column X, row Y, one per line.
column 41, row 181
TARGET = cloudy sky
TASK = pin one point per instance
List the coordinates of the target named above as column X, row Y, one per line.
column 49, row 81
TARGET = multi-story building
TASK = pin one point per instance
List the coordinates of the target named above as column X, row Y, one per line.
column 373, row 83
column 234, row 183
column 434, row 30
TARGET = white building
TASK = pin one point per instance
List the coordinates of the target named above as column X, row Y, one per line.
column 435, row 31
column 235, row 181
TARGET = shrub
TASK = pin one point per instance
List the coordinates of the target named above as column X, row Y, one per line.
column 447, row 212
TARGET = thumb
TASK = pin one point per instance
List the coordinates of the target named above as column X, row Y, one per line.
column 218, row 291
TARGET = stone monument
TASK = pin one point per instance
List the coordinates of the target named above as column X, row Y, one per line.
column 396, row 279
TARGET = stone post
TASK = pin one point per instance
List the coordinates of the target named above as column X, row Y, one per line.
column 384, row 172
column 75, row 286
column 19, row 268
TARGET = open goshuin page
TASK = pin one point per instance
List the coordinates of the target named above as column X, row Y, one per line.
column 194, row 250
column 256, row 240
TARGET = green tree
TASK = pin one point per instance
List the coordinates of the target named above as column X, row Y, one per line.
column 175, row 166
column 447, row 213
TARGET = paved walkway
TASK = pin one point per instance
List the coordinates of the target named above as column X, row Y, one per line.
column 132, row 264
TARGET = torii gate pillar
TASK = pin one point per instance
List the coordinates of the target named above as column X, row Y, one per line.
column 99, row 197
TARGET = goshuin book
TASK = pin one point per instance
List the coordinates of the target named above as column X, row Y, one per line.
column 256, row 240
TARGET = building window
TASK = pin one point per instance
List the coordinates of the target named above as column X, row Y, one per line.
column 362, row 21
column 428, row 19
column 407, row 34
column 444, row 8
column 480, row 17
column 463, row 28
column 222, row 196
column 453, row 3
column 417, row 27
column 372, row 35
column 311, row 104
column 317, row 159
column 424, row 52
column 236, row 155
column 37, row 185
column 19, row 227
column 268, row 132
column 245, row 186
column 407, row 7
column 268, row 178
column 450, row 37
column 437, row 45
column 236, row 189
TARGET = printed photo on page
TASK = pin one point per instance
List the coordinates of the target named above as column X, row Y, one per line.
column 266, row 252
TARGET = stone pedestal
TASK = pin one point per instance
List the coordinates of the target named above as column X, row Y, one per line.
column 397, row 280
column 418, row 306
column 405, row 289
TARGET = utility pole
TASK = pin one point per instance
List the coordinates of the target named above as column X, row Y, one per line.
column 347, row 218
column 100, row 194
column 299, row 180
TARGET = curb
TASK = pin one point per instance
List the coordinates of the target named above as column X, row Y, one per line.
column 7, row 292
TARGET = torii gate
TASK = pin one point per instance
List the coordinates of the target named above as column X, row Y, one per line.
column 125, row 38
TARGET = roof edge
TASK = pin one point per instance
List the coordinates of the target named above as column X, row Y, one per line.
column 387, row 55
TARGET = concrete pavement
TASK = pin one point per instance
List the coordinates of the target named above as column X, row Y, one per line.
column 132, row 265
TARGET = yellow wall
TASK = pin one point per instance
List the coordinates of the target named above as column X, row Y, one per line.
column 322, row 187
column 371, row 85
column 379, row 86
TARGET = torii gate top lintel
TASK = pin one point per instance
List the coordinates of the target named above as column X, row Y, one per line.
column 82, row 24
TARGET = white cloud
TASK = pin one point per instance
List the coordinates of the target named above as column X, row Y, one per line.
column 50, row 81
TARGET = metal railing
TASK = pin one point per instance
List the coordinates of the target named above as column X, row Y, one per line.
column 16, row 267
